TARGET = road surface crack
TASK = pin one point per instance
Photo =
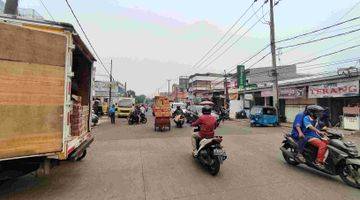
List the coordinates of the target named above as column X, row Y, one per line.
column 142, row 170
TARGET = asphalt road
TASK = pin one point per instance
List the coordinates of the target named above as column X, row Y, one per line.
column 134, row 162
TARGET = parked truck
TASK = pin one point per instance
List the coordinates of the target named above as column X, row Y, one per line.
column 45, row 95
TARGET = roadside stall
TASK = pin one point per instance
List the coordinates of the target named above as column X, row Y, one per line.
column 351, row 118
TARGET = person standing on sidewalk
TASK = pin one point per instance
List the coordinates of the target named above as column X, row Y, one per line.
column 112, row 114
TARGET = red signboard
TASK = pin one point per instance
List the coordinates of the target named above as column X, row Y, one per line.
column 344, row 89
column 292, row 93
column 266, row 93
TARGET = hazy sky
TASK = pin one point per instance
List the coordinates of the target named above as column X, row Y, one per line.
column 151, row 41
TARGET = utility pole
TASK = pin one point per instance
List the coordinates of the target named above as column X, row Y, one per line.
column 11, row 7
column 126, row 89
column 273, row 55
column 110, row 85
column 226, row 91
column 168, row 87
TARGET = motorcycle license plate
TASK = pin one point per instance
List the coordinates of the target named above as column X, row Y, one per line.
column 218, row 152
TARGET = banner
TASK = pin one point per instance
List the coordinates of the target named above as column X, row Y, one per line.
column 266, row 93
column 292, row 93
column 344, row 89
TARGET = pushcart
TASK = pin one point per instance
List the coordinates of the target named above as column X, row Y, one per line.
column 162, row 113
column 161, row 123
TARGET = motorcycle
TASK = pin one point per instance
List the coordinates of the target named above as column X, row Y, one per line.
column 210, row 153
column 94, row 119
column 191, row 117
column 342, row 159
column 135, row 119
column 224, row 114
column 179, row 120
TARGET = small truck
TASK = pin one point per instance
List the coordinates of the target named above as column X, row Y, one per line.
column 46, row 74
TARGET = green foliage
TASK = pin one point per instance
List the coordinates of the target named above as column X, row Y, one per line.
column 140, row 99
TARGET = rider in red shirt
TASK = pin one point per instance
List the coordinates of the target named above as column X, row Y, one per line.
column 207, row 124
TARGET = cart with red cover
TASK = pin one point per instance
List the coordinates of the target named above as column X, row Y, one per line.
column 162, row 113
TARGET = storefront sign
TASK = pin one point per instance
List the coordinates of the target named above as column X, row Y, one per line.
column 292, row 93
column 241, row 78
column 266, row 93
column 249, row 97
column 345, row 89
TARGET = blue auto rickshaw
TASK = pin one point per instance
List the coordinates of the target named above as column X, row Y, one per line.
column 263, row 116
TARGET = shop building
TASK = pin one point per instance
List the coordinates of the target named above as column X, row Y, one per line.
column 102, row 89
column 201, row 86
column 336, row 92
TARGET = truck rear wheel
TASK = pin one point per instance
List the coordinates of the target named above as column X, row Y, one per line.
column 83, row 155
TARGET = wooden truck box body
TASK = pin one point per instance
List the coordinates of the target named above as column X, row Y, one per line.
column 36, row 75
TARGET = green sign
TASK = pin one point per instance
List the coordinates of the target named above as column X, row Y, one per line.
column 241, row 78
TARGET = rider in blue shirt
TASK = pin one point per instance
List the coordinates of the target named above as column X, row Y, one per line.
column 310, row 133
column 298, row 133
column 298, row 126
column 314, row 135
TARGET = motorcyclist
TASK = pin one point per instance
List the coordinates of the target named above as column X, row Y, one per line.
column 297, row 132
column 324, row 120
column 313, row 135
column 137, row 113
column 207, row 124
column 178, row 111
column 222, row 113
column 143, row 109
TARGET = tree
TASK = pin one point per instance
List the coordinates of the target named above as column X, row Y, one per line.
column 131, row 93
column 140, row 99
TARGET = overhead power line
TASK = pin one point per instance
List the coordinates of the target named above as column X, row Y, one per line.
column 351, row 9
column 235, row 42
column 324, row 31
column 87, row 38
column 331, row 47
column 320, row 39
column 305, row 34
column 226, row 33
column 326, row 55
column 318, row 30
column 233, row 35
column 47, row 10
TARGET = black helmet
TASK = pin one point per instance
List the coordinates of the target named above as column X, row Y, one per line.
column 206, row 110
column 178, row 107
column 314, row 110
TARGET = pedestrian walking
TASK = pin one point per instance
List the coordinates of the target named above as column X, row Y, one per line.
column 112, row 114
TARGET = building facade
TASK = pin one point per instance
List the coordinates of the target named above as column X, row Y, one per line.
column 102, row 89
column 202, row 86
column 183, row 83
column 335, row 92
